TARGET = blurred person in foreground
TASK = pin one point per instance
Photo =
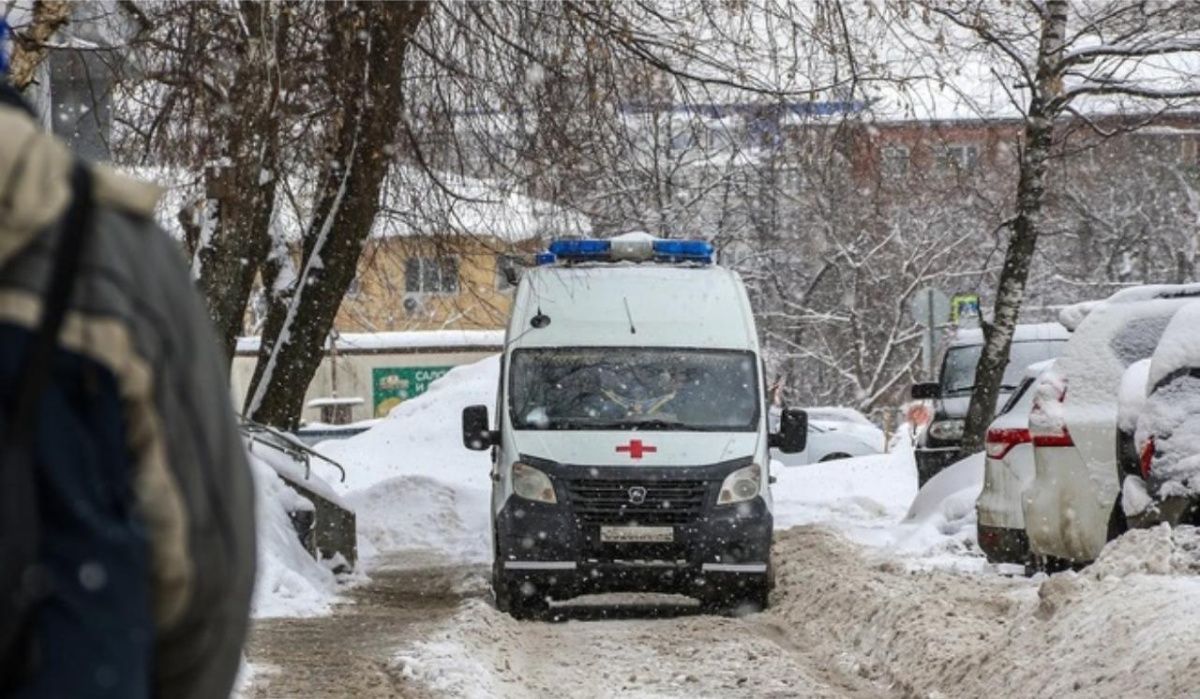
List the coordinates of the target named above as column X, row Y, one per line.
column 126, row 505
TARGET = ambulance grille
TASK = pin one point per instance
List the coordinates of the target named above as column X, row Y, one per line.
column 666, row 502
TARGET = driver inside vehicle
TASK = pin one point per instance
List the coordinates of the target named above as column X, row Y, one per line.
column 649, row 396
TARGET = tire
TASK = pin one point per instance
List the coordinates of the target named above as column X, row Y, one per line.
column 833, row 457
column 1117, row 524
column 520, row 599
column 499, row 586
column 747, row 598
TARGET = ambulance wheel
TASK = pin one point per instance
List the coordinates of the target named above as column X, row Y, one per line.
column 520, row 599
column 748, row 597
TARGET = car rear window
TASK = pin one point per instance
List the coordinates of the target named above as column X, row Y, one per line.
column 1139, row 337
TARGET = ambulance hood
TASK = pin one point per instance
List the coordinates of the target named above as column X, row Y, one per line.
column 636, row 449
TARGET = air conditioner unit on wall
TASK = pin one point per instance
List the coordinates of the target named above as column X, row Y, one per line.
column 413, row 304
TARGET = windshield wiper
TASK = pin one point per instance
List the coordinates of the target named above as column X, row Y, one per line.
column 657, row 423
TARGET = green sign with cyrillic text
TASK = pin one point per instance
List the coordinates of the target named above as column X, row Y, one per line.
column 394, row 385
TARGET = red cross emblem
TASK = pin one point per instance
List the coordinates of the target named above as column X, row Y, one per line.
column 636, row 449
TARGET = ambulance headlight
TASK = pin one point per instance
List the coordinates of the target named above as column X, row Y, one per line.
column 741, row 485
column 532, row 484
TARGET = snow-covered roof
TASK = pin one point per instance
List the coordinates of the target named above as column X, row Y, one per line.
column 1179, row 346
column 414, row 204
column 1025, row 332
column 1071, row 316
column 465, row 340
column 330, row 402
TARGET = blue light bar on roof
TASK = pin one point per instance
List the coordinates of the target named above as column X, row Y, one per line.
column 683, row 251
column 581, row 249
column 633, row 250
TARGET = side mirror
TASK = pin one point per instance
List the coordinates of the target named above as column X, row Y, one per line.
column 476, row 430
column 924, row 391
column 792, row 436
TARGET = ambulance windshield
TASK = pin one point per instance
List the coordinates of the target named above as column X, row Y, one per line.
column 623, row 388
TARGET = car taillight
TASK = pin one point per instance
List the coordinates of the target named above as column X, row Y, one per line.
column 1061, row 439
column 1001, row 441
column 1146, row 457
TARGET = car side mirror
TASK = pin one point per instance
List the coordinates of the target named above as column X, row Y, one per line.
column 476, row 429
column 792, row 436
column 926, row 390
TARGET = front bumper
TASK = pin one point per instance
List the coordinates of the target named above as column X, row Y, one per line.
column 563, row 555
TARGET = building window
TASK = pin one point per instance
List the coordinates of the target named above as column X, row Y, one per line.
column 894, row 161
column 431, row 275
column 508, row 271
column 958, row 158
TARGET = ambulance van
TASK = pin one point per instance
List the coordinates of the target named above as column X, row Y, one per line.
column 631, row 445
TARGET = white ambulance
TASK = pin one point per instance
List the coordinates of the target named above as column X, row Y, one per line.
column 630, row 450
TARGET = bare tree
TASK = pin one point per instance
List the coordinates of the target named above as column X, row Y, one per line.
column 1066, row 61
column 365, row 58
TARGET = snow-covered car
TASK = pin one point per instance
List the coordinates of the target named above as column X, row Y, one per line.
column 1165, row 484
column 1131, row 400
column 833, row 433
column 1007, row 471
column 939, row 443
column 1071, row 508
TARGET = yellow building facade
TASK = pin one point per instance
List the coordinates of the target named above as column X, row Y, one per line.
column 428, row 283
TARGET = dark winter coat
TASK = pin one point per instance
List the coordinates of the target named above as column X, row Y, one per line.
column 145, row 496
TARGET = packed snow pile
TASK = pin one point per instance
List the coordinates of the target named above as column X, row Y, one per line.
column 484, row 653
column 874, row 500
column 859, row 496
column 1158, row 551
column 411, row 481
column 939, row 633
column 940, row 524
column 411, row 512
column 289, row 582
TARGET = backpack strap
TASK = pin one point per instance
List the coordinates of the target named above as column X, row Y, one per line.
column 21, row 584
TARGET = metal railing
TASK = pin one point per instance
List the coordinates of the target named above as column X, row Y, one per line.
column 286, row 443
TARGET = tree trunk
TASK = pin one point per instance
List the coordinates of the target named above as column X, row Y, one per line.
column 233, row 233
column 365, row 65
column 29, row 45
column 1031, row 193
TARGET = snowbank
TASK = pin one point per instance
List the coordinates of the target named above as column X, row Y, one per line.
column 289, row 581
column 411, row 481
column 402, row 340
column 939, row 528
column 862, row 497
column 1124, row 627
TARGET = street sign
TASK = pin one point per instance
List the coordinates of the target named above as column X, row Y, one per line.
column 964, row 306
column 930, row 307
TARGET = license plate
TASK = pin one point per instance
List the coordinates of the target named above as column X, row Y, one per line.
column 637, row 535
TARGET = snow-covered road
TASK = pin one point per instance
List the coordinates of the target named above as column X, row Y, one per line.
column 881, row 591
column 844, row 622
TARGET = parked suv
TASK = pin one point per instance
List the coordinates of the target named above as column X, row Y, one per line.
column 1162, row 473
column 1071, row 507
column 1007, row 471
column 940, row 443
